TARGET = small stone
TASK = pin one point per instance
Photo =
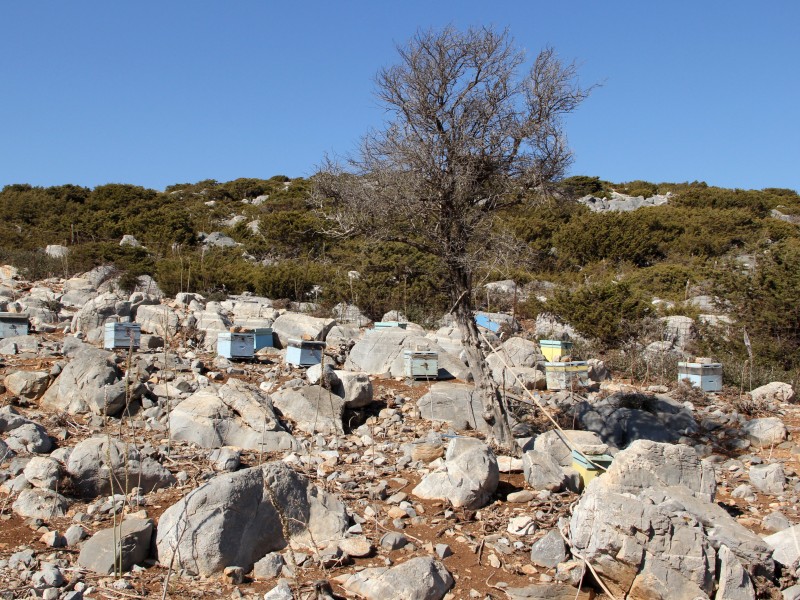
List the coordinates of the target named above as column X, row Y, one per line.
column 443, row 550
column 523, row 525
column 549, row 550
column 494, row 562
column 233, row 575
column 393, row 541
column 520, row 497
column 268, row 567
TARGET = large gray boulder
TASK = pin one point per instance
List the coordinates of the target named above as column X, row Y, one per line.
column 28, row 384
column 158, row 319
column 542, row 472
column 769, row 479
column 19, row 344
column 298, row 326
column 313, row 409
column 95, row 462
column 775, row 391
column 109, row 549
column 468, row 478
column 235, row 414
column 237, row 519
column 380, row 351
column 97, row 311
column 421, row 578
column 22, row 434
column 553, row 443
column 458, row 404
column 650, row 528
column 39, row 503
column 91, row 382
column 765, row 432
column 785, row 545
column 734, row 581
column 622, row 418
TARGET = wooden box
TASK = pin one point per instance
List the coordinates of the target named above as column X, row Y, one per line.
column 121, row 335
column 554, row 349
column 302, row 353
column 235, row 345
column 13, row 324
column 706, row 376
column 421, row 364
column 563, row 375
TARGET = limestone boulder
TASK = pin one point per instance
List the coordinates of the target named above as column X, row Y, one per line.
column 95, row 462
column 91, row 382
column 775, row 391
column 458, row 404
column 97, row 311
column 108, row 549
column 235, row 414
column 553, row 442
column 302, row 327
column 380, row 351
column 158, row 319
column 312, row 409
column 28, row 384
column 238, row 518
column 765, row 432
column 649, row 524
column 468, row 478
column 542, row 472
column 420, row 578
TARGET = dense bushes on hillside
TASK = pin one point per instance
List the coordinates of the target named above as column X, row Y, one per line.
column 607, row 267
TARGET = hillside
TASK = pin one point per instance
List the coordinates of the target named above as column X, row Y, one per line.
column 727, row 259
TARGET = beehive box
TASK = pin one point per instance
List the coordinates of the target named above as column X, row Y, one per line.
column 262, row 337
column 13, row 324
column 483, row 320
column 302, row 353
column 589, row 466
column 563, row 375
column 554, row 349
column 706, row 376
column 121, row 335
column 235, row 345
column 390, row 325
column 421, row 364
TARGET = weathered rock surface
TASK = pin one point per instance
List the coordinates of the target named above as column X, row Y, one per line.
column 421, row 578
column 549, row 550
column 468, row 478
column 542, row 472
column 298, row 326
column 765, row 432
column 769, row 479
column 235, row 414
column 650, row 529
column 28, row 384
column 458, row 404
column 623, row 418
column 553, row 443
column 775, row 391
column 236, row 519
column 22, row 434
column 312, row 408
column 95, row 461
column 42, row 472
column 785, row 545
column 100, row 554
column 159, row 319
column 37, row 503
column 91, row 382
column 381, row 351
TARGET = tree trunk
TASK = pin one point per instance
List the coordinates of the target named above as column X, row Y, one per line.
column 494, row 408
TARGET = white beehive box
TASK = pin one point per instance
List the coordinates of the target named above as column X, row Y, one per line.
column 421, row 364
column 235, row 345
column 120, row 335
column 706, row 376
column 565, row 375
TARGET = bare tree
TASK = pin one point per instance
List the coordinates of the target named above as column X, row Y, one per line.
column 467, row 134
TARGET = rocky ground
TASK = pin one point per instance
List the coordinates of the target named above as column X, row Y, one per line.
column 168, row 471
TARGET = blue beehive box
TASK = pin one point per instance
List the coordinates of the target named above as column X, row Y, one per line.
column 390, row 325
column 121, row 335
column 235, row 345
column 13, row 324
column 706, row 376
column 262, row 338
column 302, row 353
column 483, row 320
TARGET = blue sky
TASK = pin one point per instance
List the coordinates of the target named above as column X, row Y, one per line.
column 161, row 92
